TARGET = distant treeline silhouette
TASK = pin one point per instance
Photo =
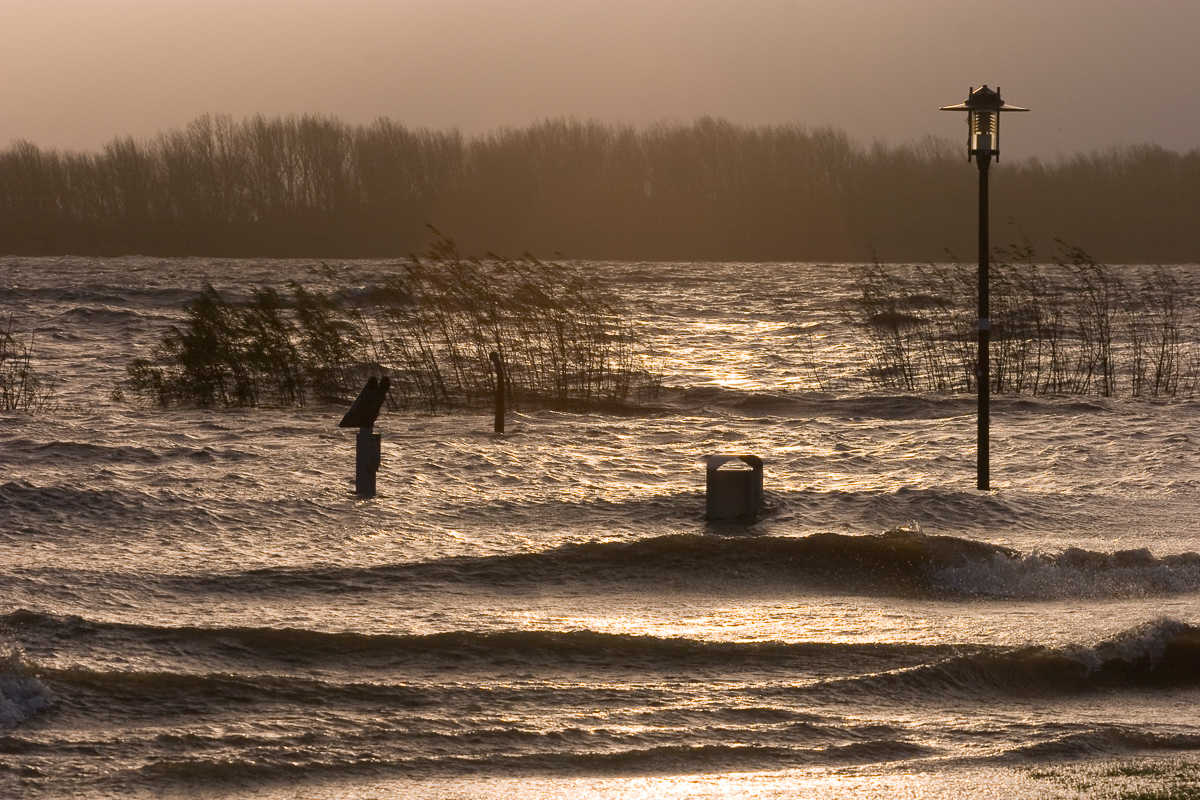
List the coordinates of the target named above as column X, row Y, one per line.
column 710, row 190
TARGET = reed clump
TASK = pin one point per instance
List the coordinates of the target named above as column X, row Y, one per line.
column 429, row 326
column 22, row 387
column 1071, row 326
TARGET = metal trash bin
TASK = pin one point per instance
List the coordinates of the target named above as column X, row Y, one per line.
column 733, row 486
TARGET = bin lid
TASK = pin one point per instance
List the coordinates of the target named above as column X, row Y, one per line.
column 715, row 460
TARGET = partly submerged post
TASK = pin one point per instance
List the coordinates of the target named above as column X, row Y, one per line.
column 368, row 447
column 501, row 381
column 735, row 492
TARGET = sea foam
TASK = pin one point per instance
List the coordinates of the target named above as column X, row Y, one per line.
column 21, row 693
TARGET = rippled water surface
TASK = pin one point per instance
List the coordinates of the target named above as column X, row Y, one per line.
column 193, row 602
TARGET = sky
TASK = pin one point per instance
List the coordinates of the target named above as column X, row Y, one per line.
column 74, row 74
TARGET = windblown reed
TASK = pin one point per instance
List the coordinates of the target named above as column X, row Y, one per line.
column 22, row 388
column 1072, row 326
column 430, row 327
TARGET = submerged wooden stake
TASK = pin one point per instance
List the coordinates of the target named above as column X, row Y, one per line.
column 500, row 387
column 368, row 455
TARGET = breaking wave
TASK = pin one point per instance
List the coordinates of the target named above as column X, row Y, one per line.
column 901, row 561
column 21, row 693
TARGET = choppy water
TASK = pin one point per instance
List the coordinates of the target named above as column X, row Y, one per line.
column 193, row 603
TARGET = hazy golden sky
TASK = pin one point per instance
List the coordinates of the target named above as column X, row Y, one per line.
column 76, row 73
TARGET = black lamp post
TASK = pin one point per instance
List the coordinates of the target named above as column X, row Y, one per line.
column 983, row 107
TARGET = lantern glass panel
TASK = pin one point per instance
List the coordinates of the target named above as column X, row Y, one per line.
column 984, row 132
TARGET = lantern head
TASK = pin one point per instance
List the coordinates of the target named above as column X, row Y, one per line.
column 983, row 107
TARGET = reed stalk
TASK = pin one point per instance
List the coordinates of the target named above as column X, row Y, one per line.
column 22, row 387
column 1070, row 326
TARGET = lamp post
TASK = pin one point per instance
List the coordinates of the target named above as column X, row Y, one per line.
column 983, row 107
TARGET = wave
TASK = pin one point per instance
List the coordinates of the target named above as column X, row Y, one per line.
column 570, row 702
column 709, row 757
column 286, row 649
column 75, row 508
column 57, row 511
column 1106, row 742
column 23, row 497
column 1161, row 654
column 852, row 404
column 1072, row 573
column 819, row 404
column 901, row 561
column 102, row 315
column 72, row 451
column 22, row 694
column 110, row 295
column 684, row 758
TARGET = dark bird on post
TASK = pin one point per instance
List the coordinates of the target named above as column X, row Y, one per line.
column 365, row 409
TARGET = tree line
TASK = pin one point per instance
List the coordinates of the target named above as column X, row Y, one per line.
column 316, row 186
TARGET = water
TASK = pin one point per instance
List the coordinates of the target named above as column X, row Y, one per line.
column 193, row 603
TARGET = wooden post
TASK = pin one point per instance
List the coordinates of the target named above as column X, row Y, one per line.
column 368, row 455
column 500, row 389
